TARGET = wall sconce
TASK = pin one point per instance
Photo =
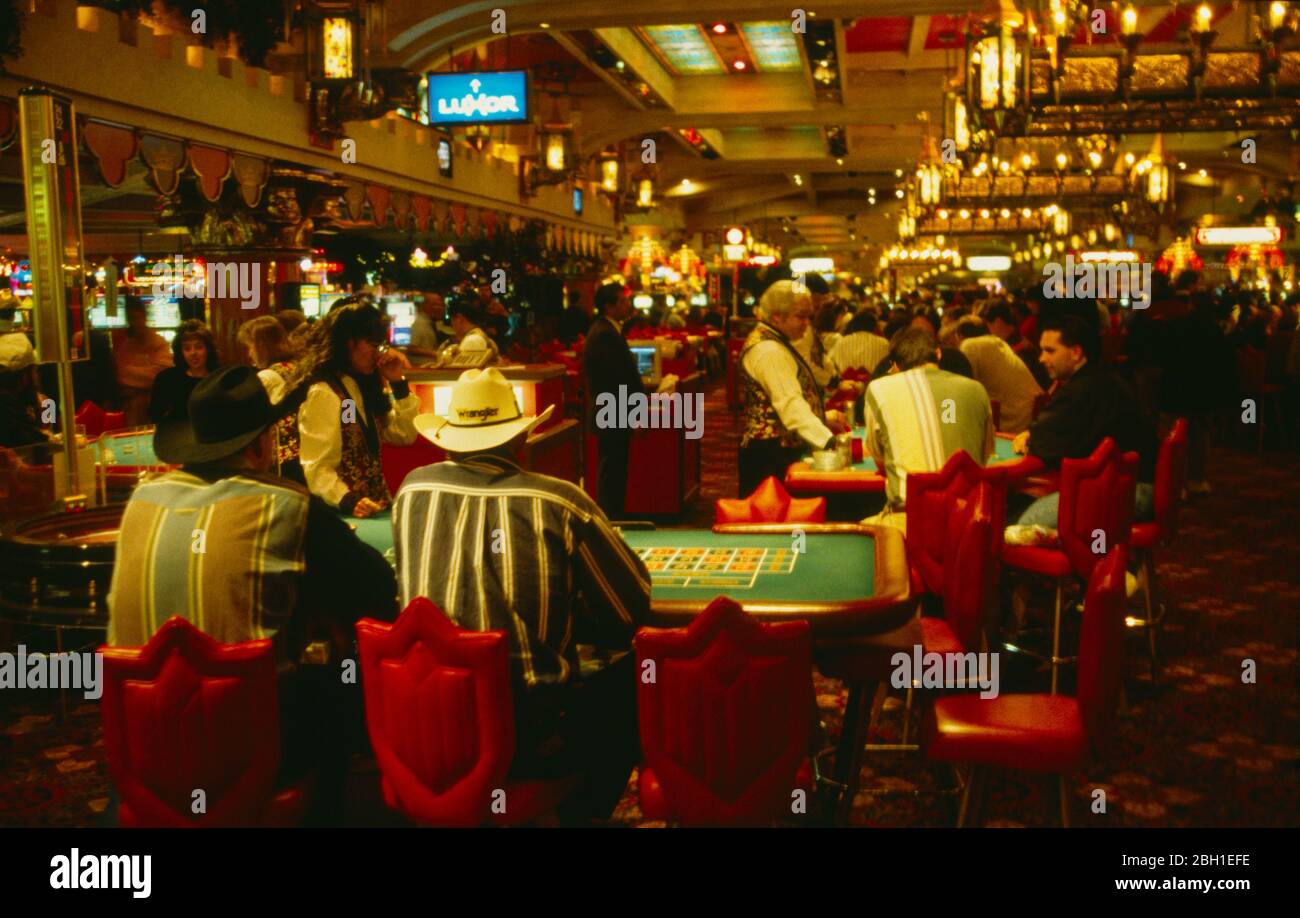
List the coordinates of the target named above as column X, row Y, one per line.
column 333, row 44
column 611, row 172
column 929, row 184
column 1155, row 175
column 645, row 192
column 993, row 69
column 955, row 122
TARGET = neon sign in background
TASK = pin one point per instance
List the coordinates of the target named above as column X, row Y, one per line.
column 495, row 97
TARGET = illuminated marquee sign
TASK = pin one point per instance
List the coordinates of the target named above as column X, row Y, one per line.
column 495, row 97
column 1109, row 257
column 1238, row 235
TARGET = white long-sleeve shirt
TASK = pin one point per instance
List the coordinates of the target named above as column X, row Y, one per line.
column 772, row 366
column 821, row 371
column 320, row 431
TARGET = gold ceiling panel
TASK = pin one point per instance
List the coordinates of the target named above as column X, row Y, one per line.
column 1160, row 73
column 1232, row 70
column 1041, row 186
column 1090, row 75
column 1109, row 184
column 1040, row 77
column 1007, row 185
column 1289, row 69
column 1076, row 184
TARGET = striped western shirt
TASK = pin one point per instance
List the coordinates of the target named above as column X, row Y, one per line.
column 859, row 351
column 499, row 548
column 226, row 555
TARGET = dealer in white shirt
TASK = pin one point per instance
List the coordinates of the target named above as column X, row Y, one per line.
column 784, row 408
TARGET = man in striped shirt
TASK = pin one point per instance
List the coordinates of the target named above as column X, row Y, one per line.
column 499, row 548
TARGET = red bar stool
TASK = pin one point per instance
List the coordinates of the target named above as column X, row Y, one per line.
column 965, row 584
column 725, row 720
column 1171, row 467
column 441, row 720
column 1096, row 503
column 770, row 503
column 1044, row 734
column 185, row 713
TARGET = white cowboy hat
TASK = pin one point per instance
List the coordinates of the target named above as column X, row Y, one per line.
column 16, row 352
column 483, row 414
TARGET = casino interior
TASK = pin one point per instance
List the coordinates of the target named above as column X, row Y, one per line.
column 966, row 468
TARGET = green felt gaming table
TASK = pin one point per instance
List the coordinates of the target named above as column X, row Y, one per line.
column 864, row 477
column 130, row 448
column 848, row 578
column 377, row 532
column 843, row 578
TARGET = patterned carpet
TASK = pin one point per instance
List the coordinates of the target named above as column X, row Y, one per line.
column 1201, row 748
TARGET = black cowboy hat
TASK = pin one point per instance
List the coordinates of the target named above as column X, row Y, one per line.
column 228, row 410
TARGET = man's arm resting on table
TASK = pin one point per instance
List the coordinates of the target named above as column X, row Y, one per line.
column 614, row 581
column 345, row 578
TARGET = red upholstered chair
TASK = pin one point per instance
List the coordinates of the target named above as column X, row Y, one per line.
column 441, row 721
column 930, row 500
column 1045, row 734
column 114, row 420
column 185, row 713
column 770, row 503
column 952, row 542
column 725, row 723
column 1096, row 503
column 91, row 417
column 1171, row 468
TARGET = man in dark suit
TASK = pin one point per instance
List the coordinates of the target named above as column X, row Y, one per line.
column 607, row 363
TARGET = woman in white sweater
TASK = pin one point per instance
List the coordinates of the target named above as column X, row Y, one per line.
column 357, row 396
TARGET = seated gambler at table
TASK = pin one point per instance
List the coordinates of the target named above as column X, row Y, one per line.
column 496, row 547
column 245, row 555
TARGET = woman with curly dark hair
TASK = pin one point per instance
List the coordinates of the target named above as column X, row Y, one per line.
column 194, row 351
column 357, row 395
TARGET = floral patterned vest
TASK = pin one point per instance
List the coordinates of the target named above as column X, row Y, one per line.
column 286, row 429
column 761, row 420
column 359, row 465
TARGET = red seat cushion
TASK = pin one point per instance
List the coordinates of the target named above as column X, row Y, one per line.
column 1046, row 561
column 937, row 636
column 1145, row 535
column 1039, row 733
